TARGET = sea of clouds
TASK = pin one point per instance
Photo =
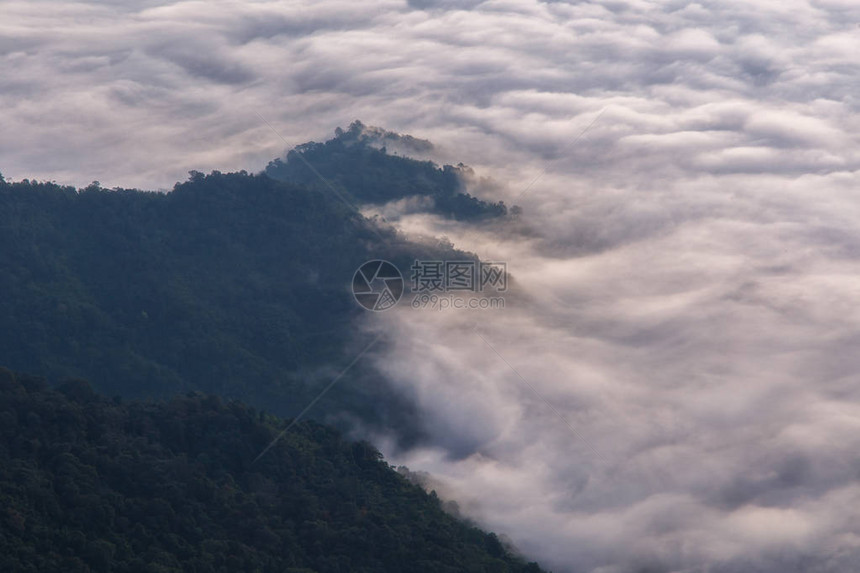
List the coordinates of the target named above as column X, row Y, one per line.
column 675, row 384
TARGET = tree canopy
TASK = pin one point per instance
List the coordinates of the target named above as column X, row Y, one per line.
column 90, row 484
column 232, row 283
column 354, row 163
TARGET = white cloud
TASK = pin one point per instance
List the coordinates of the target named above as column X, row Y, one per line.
column 689, row 292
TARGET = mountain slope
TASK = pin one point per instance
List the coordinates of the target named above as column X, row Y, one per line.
column 356, row 163
column 90, row 484
column 232, row 283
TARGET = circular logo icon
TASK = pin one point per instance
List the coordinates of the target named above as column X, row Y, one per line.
column 377, row 285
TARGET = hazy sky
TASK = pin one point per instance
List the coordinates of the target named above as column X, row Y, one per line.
column 690, row 294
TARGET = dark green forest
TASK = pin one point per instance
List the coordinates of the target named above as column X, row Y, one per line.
column 199, row 316
column 91, row 484
column 366, row 174
column 233, row 283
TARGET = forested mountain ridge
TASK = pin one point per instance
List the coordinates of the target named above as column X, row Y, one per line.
column 231, row 286
column 356, row 163
column 89, row 484
column 234, row 283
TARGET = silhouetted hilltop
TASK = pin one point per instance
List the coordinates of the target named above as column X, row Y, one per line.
column 356, row 163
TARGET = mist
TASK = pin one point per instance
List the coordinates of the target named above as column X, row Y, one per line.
column 677, row 395
column 673, row 383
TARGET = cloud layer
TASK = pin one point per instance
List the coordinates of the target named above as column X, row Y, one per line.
column 688, row 298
